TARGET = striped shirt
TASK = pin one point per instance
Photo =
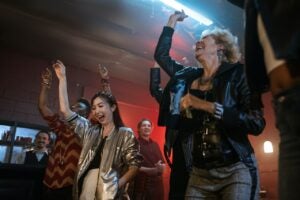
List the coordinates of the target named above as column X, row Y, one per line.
column 63, row 160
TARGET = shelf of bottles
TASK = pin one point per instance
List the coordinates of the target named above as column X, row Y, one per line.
column 16, row 138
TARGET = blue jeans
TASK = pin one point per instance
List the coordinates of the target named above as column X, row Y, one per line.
column 230, row 182
column 287, row 110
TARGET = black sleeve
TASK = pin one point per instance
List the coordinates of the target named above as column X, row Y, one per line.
column 162, row 53
column 155, row 89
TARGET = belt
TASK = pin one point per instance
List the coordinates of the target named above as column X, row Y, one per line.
column 227, row 159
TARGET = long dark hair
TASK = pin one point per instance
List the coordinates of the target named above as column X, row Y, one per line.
column 111, row 100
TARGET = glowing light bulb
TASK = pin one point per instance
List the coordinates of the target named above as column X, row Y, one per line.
column 268, row 147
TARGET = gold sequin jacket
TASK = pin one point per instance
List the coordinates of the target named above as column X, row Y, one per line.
column 121, row 151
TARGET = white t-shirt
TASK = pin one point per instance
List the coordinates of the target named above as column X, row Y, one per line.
column 270, row 61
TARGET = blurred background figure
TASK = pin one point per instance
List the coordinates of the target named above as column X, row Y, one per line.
column 148, row 184
column 63, row 160
column 39, row 154
column 179, row 146
column 272, row 59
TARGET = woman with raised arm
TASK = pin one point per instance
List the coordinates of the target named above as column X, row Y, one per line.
column 110, row 155
column 219, row 111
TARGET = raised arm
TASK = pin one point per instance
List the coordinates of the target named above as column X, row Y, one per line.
column 105, row 86
column 162, row 50
column 60, row 71
column 43, row 98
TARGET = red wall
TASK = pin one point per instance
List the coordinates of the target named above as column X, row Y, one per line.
column 131, row 114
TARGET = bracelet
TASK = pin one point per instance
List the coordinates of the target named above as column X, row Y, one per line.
column 47, row 84
column 218, row 111
column 104, row 80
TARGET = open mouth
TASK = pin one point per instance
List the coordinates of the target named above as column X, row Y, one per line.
column 199, row 48
column 100, row 117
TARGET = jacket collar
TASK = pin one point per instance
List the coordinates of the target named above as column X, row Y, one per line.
column 226, row 67
column 40, row 151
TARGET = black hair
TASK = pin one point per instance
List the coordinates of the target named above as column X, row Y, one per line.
column 86, row 103
column 42, row 131
column 111, row 100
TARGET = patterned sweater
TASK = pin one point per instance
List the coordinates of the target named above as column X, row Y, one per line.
column 63, row 160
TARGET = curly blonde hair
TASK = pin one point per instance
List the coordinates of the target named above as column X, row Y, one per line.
column 231, row 52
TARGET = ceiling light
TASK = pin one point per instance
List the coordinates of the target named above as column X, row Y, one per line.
column 195, row 15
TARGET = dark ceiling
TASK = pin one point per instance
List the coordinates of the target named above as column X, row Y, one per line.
column 121, row 34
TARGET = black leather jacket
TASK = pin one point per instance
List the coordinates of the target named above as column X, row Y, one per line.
column 155, row 90
column 281, row 20
column 242, row 114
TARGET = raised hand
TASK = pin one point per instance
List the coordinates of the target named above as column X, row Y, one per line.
column 102, row 70
column 177, row 16
column 105, row 86
column 186, row 102
column 59, row 69
column 47, row 77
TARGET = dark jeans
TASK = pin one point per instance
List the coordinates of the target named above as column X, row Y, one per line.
column 148, row 188
column 287, row 109
column 64, row 193
column 179, row 174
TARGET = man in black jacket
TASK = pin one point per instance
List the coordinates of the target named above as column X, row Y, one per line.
column 177, row 146
column 272, row 47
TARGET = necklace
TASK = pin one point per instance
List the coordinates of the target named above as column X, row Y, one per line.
column 205, row 84
column 205, row 81
column 62, row 154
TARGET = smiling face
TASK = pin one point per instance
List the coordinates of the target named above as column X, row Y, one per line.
column 80, row 108
column 42, row 140
column 206, row 49
column 102, row 111
column 145, row 129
